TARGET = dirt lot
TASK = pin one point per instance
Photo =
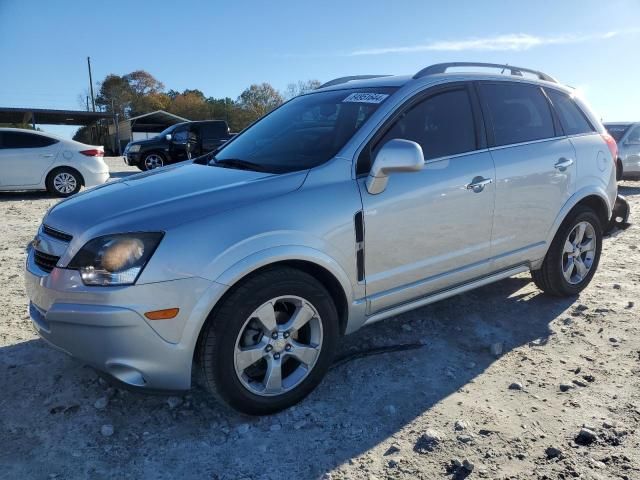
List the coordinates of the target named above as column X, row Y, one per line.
column 451, row 408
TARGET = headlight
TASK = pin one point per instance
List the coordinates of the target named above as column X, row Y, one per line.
column 115, row 259
column 133, row 148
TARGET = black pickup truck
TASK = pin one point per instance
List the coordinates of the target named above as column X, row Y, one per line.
column 179, row 142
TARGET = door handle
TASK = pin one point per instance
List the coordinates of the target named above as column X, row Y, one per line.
column 478, row 184
column 563, row 163
column 46, row 155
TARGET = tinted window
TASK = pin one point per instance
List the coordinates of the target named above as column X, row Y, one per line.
column 213, row 130
column 617, row 131
column 180, row 135
column 572, row 119
column 443, row 125
column 519, row 113
column 25, row 140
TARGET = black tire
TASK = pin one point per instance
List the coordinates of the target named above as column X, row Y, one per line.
column 619, row 170
column 550, row 278
column 64, row 182
column 218, row 340
column 143, row 164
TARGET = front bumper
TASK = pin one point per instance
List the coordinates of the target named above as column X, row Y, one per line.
column 620, row 215
column 132, row 159
column 105, row 327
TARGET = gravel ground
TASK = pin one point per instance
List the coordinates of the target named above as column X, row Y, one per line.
column 508, row 384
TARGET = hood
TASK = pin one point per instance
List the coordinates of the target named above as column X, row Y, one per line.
column 148, row 141
column 160, row 199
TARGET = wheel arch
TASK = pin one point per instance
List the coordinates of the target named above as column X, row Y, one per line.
column 592, row 197
column 330, row 276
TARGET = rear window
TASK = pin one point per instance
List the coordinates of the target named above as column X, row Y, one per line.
column 572, row 119
column 518, row 112
column 616, row 131
column 24, row 140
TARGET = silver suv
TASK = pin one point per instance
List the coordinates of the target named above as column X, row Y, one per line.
column 627, row 135
column 366, row 198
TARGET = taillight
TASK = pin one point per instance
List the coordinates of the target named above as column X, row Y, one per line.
column 613, row 146
column 94, row 152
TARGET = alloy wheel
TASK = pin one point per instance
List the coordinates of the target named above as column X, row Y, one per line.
column 278, row 346
column 65, row 183
column 579, row 253
column 153, row 161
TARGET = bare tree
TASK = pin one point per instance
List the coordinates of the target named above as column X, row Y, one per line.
column 299, row 88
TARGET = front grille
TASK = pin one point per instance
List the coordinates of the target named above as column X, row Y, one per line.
column 45, row 261
column 52, row 232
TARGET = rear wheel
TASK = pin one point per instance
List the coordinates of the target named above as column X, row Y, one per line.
column 270, row 342
column 152, row 161
column 64, row 182
column 573, row 256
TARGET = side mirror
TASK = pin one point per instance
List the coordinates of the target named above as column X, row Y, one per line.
column 168, row 137
column 396, row 155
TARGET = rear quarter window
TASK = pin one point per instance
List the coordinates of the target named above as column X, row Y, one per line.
column 572, row 119
column 518, row 112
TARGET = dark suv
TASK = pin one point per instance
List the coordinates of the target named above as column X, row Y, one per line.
column 177, row 143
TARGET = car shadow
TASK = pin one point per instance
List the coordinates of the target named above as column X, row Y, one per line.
column 25, row 195
column 48, row 399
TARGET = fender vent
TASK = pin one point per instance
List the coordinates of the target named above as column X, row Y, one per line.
column 358, row 221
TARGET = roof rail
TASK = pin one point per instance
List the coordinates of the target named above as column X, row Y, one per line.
column 517, row 71
column 338, row 81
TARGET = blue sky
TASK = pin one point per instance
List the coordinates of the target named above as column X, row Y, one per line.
column 222, row 47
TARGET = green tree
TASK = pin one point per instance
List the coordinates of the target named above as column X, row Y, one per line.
column 143, row 83
column 258, row 100
column 114, row 95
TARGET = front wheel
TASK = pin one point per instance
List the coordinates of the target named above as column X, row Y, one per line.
column 270, row 342
column 573, row 256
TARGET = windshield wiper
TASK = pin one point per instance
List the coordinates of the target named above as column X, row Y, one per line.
column 238, row 163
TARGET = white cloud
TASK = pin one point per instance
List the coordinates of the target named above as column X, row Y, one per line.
column 508, row 42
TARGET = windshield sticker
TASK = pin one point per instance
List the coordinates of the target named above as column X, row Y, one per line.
column 365, row 98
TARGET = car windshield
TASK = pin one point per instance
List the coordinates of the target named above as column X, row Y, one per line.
column 304, row 132
column 616, row 131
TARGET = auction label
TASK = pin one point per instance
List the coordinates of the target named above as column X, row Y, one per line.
column 365, row 98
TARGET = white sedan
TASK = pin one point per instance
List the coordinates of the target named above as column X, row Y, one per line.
column 31, row 160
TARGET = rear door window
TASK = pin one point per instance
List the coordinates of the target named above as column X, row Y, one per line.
column 213, row 130
column 518, row 112
column 442, row 124
column 25, row 140
column 572, row 119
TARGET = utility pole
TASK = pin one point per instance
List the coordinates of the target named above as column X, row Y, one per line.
column 93, row 101
column 87, row 103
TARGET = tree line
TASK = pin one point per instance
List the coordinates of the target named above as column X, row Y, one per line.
column 139, row 92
